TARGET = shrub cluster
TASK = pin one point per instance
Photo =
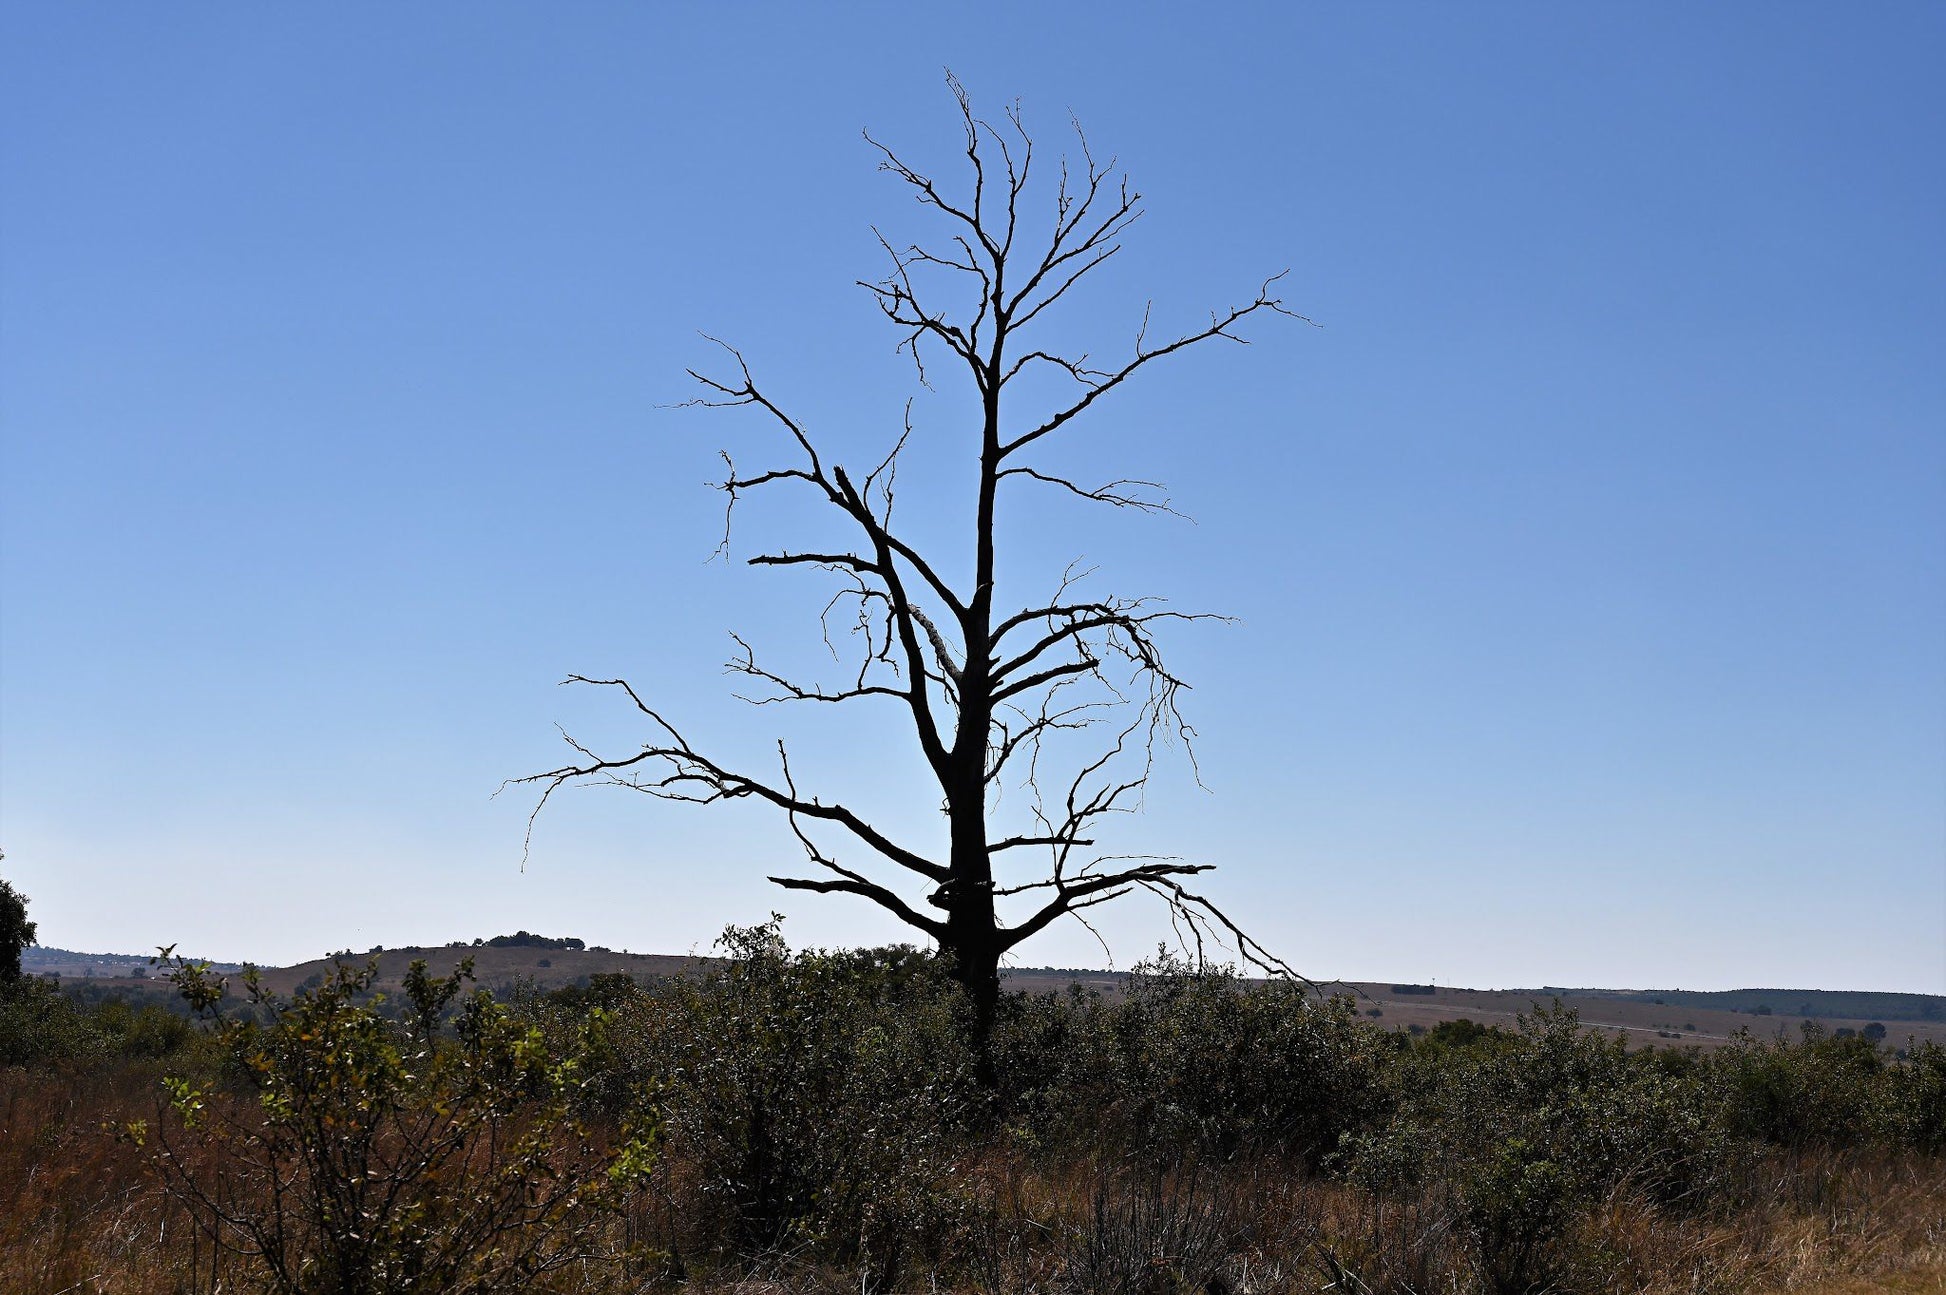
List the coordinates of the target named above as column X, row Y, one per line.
column 528, row 940
column 377, row 1154
column 41, row 1025
column 814, row 1104
column 1191, row 1064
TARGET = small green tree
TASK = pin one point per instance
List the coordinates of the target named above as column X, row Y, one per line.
column 818, row 1097
column 16, row 932
column 36, row 1023
column 380, row 1157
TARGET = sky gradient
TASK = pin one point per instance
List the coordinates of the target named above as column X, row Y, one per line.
column 1588, row 560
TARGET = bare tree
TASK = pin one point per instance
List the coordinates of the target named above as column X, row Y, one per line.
column 994, row 694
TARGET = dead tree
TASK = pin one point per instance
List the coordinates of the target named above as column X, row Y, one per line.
column 991, row 692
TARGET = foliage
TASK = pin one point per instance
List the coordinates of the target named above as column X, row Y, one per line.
column 370, row 1155
column 819, row 1097
column 1205, row 1063
column 1840, row 1003
column 16, row 932
column 1531, row 1128
column 526, row 940
column 39, row 1025
column 1823, row 1090
column 1916, row 1109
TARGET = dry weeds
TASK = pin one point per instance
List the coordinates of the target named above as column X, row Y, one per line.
column 79, row 1216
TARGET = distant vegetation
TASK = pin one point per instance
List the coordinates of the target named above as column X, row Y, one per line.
column 1847, row 1004
column 820, row 1120
column 526, row 940
column 1853, row 1004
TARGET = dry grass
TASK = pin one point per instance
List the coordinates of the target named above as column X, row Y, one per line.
column 1831, row 1222
column 79, row 1216
column 1931, row 1281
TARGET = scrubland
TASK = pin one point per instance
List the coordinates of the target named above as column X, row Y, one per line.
column 822, row 1122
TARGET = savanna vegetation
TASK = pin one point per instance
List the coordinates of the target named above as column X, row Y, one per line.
column 821, row 1121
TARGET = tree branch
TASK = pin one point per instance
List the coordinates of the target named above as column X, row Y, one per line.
column 680, row 772
column 1219, row 327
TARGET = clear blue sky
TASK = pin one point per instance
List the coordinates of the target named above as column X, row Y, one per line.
column 1589, row 561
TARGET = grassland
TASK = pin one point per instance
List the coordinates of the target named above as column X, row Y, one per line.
column 816, row 1124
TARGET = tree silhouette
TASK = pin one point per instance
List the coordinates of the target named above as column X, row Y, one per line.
column 994, row 694
column 16, row 932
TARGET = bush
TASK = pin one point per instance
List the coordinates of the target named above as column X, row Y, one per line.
column 820, row 1096
column 39, row 1026
column 1823, row 1091
column 144, row 1030
column 528, row 940
column 375, row 1157
column 1531, row 1128
column 1204, row 1063
column 1518, row 1205
column 1916, row 1102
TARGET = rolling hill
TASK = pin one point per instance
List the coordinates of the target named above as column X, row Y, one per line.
column 1640, row 1017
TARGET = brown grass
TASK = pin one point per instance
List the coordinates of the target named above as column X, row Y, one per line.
column 1932, row 1281
column 79, row 1216
column 1832, row 1222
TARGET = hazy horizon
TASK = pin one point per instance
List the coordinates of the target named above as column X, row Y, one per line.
column 460, row 947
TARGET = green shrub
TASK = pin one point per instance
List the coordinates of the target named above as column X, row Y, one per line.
column 1916, row 1102
column 1518, row 1205
column 821, row 1097
column 1820, row 1091
column 371, row 1156
column 144, row 1030
column 39, row 1026
column 1204, row 1063
column 1531, row 1128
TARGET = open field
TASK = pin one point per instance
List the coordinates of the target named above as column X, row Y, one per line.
column 1636, row 1023
column 811, row 1124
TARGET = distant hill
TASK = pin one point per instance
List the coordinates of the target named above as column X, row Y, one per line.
column 1640, row 1018
column 1643, row 1016
column 497, row 968
column 37, row 960
column 1814, row 1004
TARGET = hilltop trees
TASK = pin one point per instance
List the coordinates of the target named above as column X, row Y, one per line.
column 995, row 692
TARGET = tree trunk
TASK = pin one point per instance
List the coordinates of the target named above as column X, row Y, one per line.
column 975, row 962
column 973, row 936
